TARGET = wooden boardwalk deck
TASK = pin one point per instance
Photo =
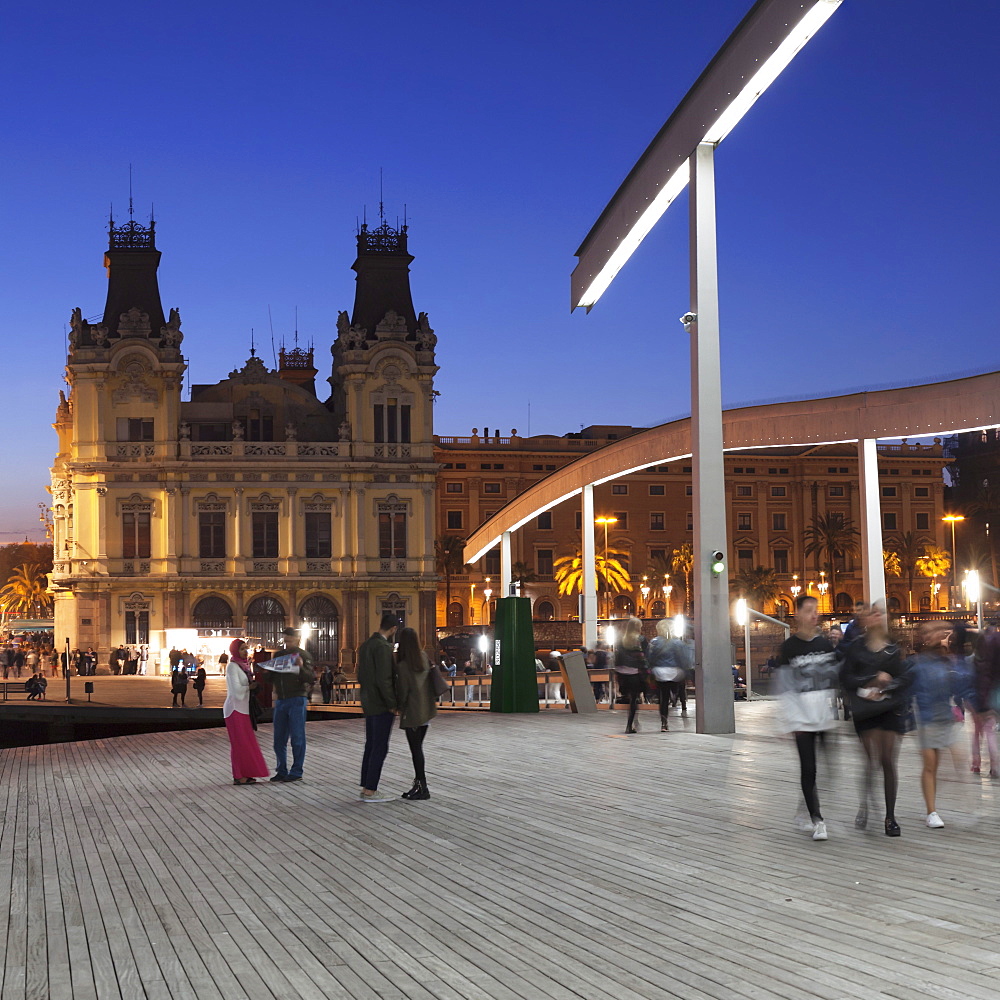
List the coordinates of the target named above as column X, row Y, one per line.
column 557, row 860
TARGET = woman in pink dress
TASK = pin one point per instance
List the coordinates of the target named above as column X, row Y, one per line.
column 248, row 761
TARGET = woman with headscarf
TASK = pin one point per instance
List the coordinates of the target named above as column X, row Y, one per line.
column 248, row 761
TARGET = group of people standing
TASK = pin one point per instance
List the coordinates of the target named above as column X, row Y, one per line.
column 887, row 695
column 391, row 683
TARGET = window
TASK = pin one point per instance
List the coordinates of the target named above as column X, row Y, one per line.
column 135, row 535
column 137, row 627
column 622, row 516
column 491, row 488
column 779, row 522
column 894, row 472
column 658, row 555
column 211, row 535
column 685, row 468
column 264, row 524
column 460, row 465
column 491, row 563
column 543, row 562
column 835, row 491
column 778, row 491
column 843, row 468
column 888, row 491
column 545, row 521
column 921, row 491
column 656, row 522
column 688, row 490
column 739, row 468
column 923, row 522
column 780, row 559
column 392, row 422
column 212, row 432
column 454, row 487
column 135, row 429
column 258, row 426
column 619, row 489
column 745, row 558
column 744, row 491
column 750, row 470
column 579, row 520
column 744, row 522
column 889, row 522
column 319, row 535
column 391, row 535
column 657, row 491
column 831, row 468
column 454, row 520
column 690, row 521
column 447, row 465
column 484, row 465
column 550, row 468
column 536, row 468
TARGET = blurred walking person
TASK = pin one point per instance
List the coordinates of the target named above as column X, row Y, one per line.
column 877, row 687
column 985, row 700
column 244, row 751
column 630, row 668
column 668, row 661
column 807, row 683
column 932, row 676
column 417, row 704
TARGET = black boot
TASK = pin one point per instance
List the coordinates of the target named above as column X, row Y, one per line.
column 418, row 791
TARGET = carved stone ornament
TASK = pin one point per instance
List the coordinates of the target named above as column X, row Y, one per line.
column 134, row 384
column 252, row 373
column 185, row 431
column 237, row 431
column 356, row 337
column 82, row 334
column 343, row 323
column 291, row 432
column 392, row 326
column 391, row 373
column 170, row 335
column 426, row 341
column 344, row 431
column 134, row 323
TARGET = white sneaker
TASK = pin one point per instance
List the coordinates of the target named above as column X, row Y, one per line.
column 377, row 797
column 819, row 833
column 804, row 824
column 934, row 821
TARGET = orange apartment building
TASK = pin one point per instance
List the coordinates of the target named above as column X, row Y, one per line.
column 771, row 497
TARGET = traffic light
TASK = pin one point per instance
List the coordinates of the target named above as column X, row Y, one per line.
column 718, row 563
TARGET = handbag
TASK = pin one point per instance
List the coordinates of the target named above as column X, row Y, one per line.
column 440, row 684
column 255, row 710
column 809, row 710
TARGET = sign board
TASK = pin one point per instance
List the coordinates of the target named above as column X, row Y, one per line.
column 579, row 690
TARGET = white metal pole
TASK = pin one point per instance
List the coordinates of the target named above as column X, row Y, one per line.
column 872, row 563
column 589, row 585
column 746, row 646
column 505, row 564
column 714, row 680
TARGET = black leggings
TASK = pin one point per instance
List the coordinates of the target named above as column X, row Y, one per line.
column 881, row 748
column 415, row 737
column 631, row 686
column 805, row 743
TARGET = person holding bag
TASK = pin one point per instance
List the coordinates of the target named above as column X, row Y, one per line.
column 877, row 686
column 247, row 760
column 630, row 668
column 415, row 692
column 807, row 685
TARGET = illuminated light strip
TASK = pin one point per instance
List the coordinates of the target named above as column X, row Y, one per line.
column 676, row 183
column 789, row 48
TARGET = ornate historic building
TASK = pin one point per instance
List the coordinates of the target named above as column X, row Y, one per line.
column 772, row 496
column 256, row 503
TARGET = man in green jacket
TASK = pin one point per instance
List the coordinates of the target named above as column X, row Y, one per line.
column 376, row 677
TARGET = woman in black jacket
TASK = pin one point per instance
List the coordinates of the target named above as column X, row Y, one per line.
column 630, row 668
column 877, row 687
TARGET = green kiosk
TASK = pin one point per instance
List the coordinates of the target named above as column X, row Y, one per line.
column 515, row 685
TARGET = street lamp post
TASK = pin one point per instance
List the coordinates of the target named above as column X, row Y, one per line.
column 667, row 590
column 795, row 588
column 823, row 587
column 644, row 590
column 607, row 594
column 953, row 588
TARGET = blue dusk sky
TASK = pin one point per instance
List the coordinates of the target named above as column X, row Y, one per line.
column 857, row 202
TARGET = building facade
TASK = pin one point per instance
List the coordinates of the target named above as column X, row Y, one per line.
column 258, row 502
column 771, row 497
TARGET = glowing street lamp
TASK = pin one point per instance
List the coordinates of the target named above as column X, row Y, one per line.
column 974, row 594
column 644, row 590
column 487, row 594
column 823, row 586
column 795, row 588
column 667, row 590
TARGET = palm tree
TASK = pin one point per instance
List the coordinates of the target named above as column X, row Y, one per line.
column 683, row 562
column 522, row 573
column 934, row 562
column 26, row 590
column 568, row 573
column 448, row 552
column 890, row 562
column 831, row 535
column 758, row 585
column 909, row 548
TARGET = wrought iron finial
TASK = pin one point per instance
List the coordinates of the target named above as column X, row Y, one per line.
column 132, row 236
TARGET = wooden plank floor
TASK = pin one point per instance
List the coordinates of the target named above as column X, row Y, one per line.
column 556, row 860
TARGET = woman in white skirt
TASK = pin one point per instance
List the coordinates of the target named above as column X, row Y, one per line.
column 937, row 718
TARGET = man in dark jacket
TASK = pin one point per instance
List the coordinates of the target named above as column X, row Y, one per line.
column 378, row 704
column 291, row 700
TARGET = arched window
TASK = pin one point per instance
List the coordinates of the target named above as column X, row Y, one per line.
column 782, row 608
column 456, row 614
column 893, row 603
column 319, row 615
column 844, row 602
column 212, row 612
column 623, row 605
column 658, row 610
column 925, row 604
column 544, row 611
column 265, row 620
